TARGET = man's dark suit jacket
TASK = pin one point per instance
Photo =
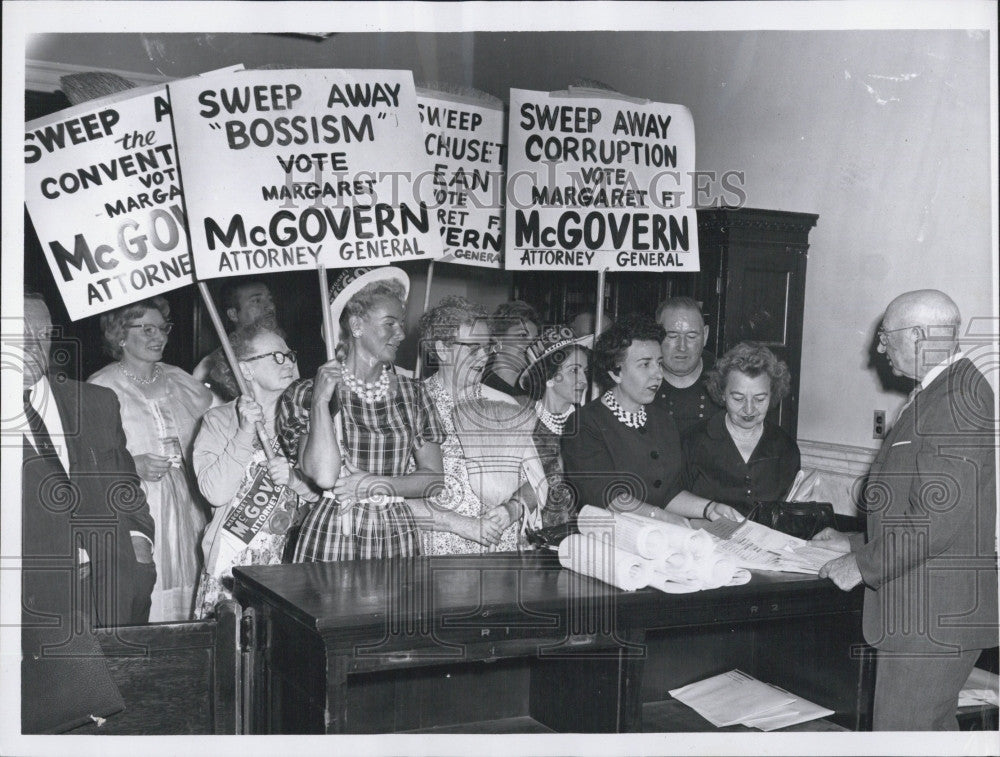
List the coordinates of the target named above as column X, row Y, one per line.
column 930, row 561
column 97, row 507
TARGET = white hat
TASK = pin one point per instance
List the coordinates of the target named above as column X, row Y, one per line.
column 353, row 280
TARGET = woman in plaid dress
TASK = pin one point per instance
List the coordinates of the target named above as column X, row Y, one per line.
column 366, row 435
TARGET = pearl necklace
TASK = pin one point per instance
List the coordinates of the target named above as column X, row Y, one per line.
column 632, row 420
column 554, row 422
column 140, row 379
column 370, row 392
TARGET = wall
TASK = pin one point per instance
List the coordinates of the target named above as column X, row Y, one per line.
column 884, row 134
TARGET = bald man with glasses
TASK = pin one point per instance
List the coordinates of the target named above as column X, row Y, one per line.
column 928, row 560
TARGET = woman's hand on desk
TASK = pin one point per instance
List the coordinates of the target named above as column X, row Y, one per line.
column 830, row 538
column 717, row 510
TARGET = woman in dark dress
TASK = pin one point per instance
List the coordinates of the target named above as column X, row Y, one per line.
column 737, row 456
column 626, row 453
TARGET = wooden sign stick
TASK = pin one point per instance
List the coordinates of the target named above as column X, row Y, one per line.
column 227, row 348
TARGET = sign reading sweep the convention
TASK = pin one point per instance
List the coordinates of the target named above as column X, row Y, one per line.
column 594, row 183
column 465, row 143
column 286, row 169
column 104, row 196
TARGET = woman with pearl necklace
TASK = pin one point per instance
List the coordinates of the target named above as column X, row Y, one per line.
column 366, row 435
column 626, row 454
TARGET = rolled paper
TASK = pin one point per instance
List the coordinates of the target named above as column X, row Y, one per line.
column 666, row 584
column 645, row 539
column 715, row 570
column 707, row 573
column 596, row 557
column 740, row 576
column 679, row 538
column 682, row 561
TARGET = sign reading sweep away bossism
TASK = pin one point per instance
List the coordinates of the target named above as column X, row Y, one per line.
column 104, row 196
column 465, row 143
column 593, row 183
column 287, row 169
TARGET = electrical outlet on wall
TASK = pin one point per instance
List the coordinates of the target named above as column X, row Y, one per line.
column 878, row 424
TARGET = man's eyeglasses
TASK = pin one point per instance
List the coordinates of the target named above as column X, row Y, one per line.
column 45, row 332
column 279, row 357
column 488, row 347
column 883, row 333
column 151, row 329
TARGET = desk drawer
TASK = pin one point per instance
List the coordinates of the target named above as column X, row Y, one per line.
column 487, row 648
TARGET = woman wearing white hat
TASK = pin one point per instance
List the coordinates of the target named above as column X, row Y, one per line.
column 366, row 435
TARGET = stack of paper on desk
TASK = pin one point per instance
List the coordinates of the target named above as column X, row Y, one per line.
column 758, row 547
column 632, row 551
column 735, row 697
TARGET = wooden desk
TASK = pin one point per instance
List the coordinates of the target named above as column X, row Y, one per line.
column 515, row 643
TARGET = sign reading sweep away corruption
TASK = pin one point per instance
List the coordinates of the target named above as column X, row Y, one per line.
column 594, row 183
column 285, row 169
column 465, row 144
column 102, row 189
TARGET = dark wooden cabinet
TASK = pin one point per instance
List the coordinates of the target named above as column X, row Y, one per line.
column 753, row 283
column 751, row 286
column 514, row 643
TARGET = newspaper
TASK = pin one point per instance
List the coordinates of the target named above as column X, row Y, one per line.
column 757, row 547
column 735, row 697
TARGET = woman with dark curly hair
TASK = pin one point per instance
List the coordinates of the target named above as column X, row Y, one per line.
column 737, row 456
column 626, row 454
column 161, row 407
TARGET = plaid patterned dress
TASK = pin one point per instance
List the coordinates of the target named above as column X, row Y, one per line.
column 379, row 438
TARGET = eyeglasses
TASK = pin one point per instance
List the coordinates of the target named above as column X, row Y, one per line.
column 45, row 332
column 883, row 333
column 488, row 347
column 151, row 329
column 279, row 357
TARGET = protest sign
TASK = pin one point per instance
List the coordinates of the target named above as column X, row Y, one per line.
column 289, row 169
column 104, row 196
column 465, row 143
column 594, row 182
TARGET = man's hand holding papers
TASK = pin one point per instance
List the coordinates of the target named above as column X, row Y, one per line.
column 758, row 547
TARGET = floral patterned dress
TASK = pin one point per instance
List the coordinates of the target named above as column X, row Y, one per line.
column 458, row 494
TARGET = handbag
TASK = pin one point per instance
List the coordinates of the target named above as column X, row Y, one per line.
column 801, row 519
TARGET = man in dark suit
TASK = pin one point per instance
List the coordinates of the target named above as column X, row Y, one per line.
column 87, row 537
column 929, row 560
